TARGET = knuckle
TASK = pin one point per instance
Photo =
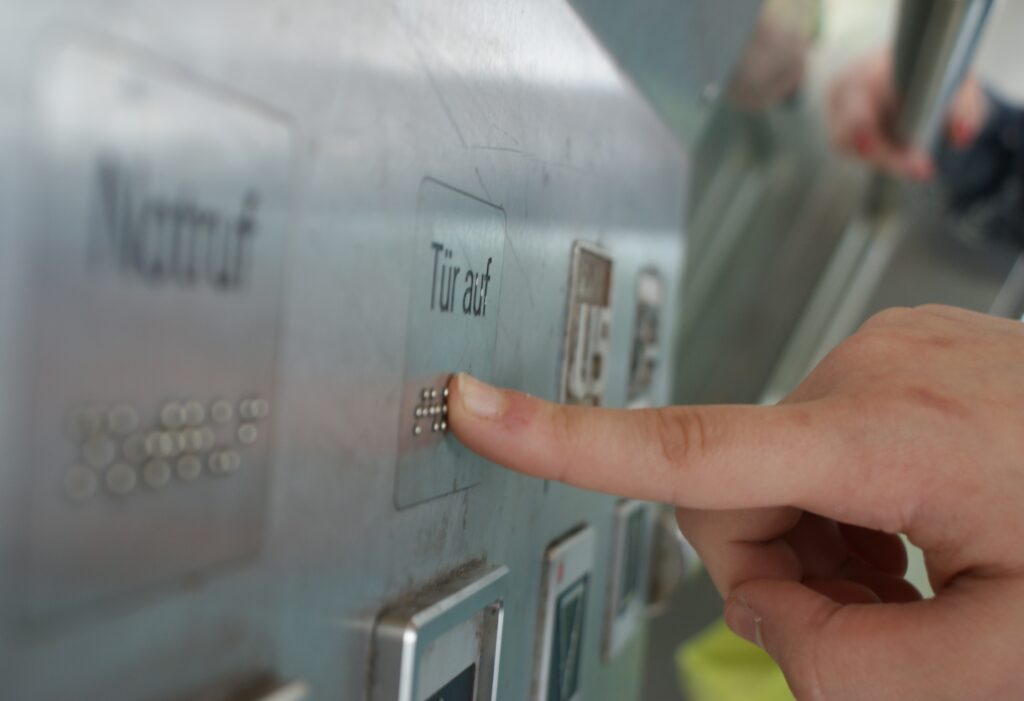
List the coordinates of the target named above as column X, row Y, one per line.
column 894, row 316
column 681, row 433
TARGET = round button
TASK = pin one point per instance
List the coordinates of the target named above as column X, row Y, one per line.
column 172, row 415
column 189, row 467
column 157, row 473
column 121, row 478
column 221, row 411
column 248, row 434
column 195, row 413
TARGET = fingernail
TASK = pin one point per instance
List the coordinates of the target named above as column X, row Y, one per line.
column 742, row 621
column 480, row 399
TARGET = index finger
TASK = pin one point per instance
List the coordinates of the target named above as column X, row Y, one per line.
column 708, row 457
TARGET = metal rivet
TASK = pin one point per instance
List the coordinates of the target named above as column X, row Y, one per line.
column 157, row 473
column 80, row 483
column 248, row 433
column 123, row 419
column 166, row 445
column 121, row 478
column 99, row 452
column 189, row 467
column 222, row 411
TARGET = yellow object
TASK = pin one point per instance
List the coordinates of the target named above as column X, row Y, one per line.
column 717, row 665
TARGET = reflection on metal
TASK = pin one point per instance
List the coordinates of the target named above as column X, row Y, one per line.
column 839, row 302
column 1010, row 302
column 935, row 43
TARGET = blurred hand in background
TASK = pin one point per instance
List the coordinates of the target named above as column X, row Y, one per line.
column 860, row 107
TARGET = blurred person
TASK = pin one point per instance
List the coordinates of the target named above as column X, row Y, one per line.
column 979, row 161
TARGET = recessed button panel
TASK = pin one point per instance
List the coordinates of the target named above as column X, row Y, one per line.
column 157, row 308
column 443, row 643
column 564, row 595
column 457, row 257
column 626, row 604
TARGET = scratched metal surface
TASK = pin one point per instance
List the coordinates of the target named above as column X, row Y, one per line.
column 512, row 103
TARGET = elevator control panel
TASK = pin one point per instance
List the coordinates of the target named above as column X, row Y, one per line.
column 442, row 643
column 458, row 251
column 645, row 354
column 159, row 277
column 588, row 332
column 626, row 600
column 564, row 595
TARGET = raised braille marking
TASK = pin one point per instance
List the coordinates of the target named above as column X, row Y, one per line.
column 195, row 413
column 188, row 468
column 157, row 473
column 121, row 478
column 221, row 411
column 248, row 433
column 417, row 430
column 172, row 416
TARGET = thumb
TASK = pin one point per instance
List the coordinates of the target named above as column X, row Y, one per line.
column 842, row 652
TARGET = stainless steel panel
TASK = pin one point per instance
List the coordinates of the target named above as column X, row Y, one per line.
column 337, row 114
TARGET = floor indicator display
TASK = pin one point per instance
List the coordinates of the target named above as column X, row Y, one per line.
column 442, row 644
column 626, row 601
column 564, row 594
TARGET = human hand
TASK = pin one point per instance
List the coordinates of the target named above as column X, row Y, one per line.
column 859, row 109
column 915, row 425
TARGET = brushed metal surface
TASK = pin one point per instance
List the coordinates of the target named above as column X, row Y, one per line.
column 336, row 112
